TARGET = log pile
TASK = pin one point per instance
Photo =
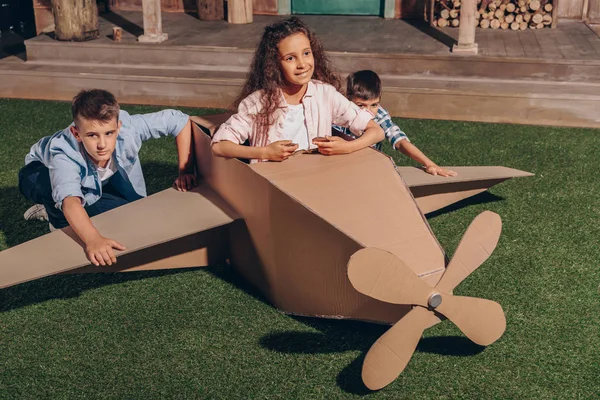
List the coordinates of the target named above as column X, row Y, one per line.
column 498, row 14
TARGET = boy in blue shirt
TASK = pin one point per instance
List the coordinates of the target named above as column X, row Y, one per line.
column 93, row 166
column 364, row 89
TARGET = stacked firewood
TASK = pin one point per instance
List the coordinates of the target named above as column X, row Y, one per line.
column 497, row 14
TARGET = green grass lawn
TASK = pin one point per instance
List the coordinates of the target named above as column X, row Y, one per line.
column 205, row 333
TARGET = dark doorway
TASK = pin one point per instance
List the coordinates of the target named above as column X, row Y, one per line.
column 17, row 16
column 17, row 23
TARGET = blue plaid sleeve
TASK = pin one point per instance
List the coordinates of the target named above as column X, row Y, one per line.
column 393, row 133
column 340, row 129
column 344, row 131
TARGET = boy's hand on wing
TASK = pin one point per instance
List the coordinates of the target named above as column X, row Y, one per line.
column 435, row 170
column 280, row 150
column 185, row 182
column 333, row 145
column 100, row 251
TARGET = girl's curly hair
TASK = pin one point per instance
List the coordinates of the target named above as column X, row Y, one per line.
column 265, row 73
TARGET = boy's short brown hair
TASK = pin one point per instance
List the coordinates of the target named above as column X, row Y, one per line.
column 96, row 105
column 364, row 85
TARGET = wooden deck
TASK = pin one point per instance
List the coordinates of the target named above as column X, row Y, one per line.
column 568, row 41
column 549, row 76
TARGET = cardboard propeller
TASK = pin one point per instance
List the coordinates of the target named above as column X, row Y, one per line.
column 383, row 276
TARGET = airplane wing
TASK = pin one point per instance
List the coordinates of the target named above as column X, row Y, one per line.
column 169, row 229
column 435, row 192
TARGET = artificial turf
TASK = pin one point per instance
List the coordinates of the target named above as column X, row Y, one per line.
column 205, row 333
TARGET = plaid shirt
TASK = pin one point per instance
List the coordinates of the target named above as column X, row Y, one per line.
column 393, row 133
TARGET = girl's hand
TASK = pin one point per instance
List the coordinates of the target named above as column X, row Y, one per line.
column 280, row 150
column 333, row 145
column 435, row 170
column 185, row 182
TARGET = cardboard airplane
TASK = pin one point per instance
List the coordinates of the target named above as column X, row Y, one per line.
column 323, row 236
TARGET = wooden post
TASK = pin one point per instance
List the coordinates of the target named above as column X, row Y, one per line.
column 152, row 23
column 210, row 10
column 75, row 20
column 389, row 9
column 466, row 30
column 239, row 11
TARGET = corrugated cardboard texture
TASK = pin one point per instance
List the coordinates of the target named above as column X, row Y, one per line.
column 362, row 195
column 435, row 192
column 139, row 226
column 306, row 216
column 415, row 177
column 196, row 250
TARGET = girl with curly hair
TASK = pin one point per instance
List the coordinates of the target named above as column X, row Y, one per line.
column 290, row 101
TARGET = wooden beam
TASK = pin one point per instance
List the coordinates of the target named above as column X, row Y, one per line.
column 239, row 11
column 152, row 23
column 75, row 21
column 466, row 30
column 389, row 9
column 284, row 7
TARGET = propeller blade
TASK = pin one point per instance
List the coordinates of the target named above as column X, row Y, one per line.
column 383, row 276
column 390, row 354
column 480, row 320
column 476, row 245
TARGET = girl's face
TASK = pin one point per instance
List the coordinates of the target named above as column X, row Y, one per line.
column 296, row 59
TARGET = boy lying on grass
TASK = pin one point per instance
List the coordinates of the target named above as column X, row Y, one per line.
column 92, row 166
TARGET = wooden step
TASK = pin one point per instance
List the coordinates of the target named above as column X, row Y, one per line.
column 434, row 97
column 46, row 50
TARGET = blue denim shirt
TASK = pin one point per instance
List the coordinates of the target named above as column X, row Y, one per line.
column 72, row 172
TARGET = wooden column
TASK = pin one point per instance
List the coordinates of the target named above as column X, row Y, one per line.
column 76, row 21
column 389, row 9
column 152, row 23
column 284, row 7
column 239, row 11
column 466, row 30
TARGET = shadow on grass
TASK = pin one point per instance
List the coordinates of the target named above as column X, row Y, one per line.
column 14, row 228
column 481, row 198
column 68, row 286
column 340, row 336
column 73, row 285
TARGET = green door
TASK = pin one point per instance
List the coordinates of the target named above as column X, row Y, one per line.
column 339, row 7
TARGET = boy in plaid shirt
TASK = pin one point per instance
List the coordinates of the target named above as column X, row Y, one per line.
column 364, row 89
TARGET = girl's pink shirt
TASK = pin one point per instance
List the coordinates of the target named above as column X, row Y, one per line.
column 323, row 107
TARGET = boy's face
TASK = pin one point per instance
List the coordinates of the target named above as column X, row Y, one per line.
column 99, row 138
column 296, row 59
column 371, row 104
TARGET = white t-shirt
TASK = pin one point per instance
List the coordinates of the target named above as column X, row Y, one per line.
column 105, row 173
column 294, row 127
